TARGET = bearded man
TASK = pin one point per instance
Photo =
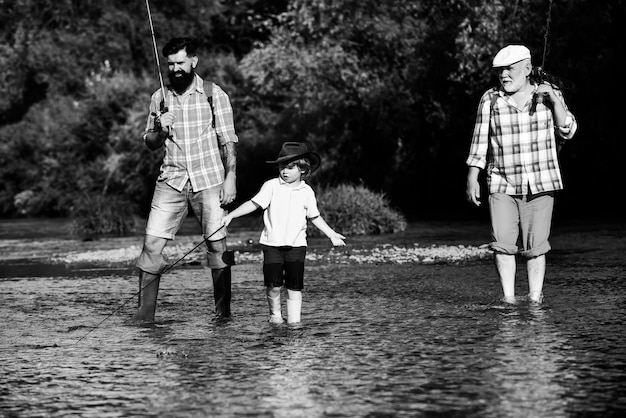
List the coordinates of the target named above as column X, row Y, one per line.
column 192, row 122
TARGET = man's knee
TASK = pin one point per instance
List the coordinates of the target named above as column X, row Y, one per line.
column 153, row 263
column 218, row 257
column 153, row 244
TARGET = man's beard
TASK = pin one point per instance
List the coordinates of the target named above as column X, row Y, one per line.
column 182, row 82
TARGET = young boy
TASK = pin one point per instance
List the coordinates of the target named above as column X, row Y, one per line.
column 287, row 202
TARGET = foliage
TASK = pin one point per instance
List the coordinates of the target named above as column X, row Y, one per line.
column 356, row 210
column 94, row 214
column 65, row 135
column 365, row 83
column 384, row 91
column 334, row 72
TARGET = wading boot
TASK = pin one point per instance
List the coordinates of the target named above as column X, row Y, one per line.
column 273, row 302
column 148, row 292
column 294, row 306
column 222, row 292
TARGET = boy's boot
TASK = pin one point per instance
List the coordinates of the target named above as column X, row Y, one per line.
column 274, row 304
column 294, row 306
column 148, row 293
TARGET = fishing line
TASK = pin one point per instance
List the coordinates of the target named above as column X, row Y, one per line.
column 168, row 268
column 538, row 74
column 156, row 50
column 545, row 35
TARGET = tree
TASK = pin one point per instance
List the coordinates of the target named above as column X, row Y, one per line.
column 72, row 115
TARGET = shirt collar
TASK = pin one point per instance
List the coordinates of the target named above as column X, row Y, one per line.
column 199, row 84
column 284, row 183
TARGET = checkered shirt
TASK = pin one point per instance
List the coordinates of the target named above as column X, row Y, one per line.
column 518, row 150
column 193, row 154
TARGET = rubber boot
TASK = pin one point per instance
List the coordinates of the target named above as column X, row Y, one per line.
column 274, row 304
column 148, row 293
column 294, row 306
column 222, row 292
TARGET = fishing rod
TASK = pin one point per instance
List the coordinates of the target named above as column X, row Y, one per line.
column 168, row 268
column 156, row 56
column 538, row 75
column 162, row 108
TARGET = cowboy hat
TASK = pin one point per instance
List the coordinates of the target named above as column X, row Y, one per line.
column 291, row 151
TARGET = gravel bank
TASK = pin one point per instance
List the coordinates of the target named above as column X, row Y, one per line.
column 424, row 244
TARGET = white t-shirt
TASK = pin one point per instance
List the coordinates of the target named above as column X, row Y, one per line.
column 285, row 212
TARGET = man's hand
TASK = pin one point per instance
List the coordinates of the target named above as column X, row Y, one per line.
column 545, row 94
column 472, row 188
column 166, row 121
column 229, row 190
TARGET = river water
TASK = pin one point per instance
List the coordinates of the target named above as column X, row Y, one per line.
column 383, row 340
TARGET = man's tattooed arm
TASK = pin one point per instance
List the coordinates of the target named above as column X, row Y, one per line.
column 229, row 157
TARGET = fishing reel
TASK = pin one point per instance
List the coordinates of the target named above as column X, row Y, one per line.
column 539, row 76
column 155, row 138
column 157, row 128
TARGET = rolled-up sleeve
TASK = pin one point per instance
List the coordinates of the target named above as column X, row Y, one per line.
column 152, row 112
column 571, row 125
column 224, row 121
column 480, row 138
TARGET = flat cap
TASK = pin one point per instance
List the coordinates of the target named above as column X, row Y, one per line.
column 510, row 55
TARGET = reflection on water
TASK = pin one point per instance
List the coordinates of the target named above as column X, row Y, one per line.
column 527, row 352
column 376, row 341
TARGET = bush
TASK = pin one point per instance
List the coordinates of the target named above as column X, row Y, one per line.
column 356, row 210
column 97, row 214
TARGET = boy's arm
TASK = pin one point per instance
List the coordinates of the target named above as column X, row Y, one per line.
column 244, row 209
column 336, row 238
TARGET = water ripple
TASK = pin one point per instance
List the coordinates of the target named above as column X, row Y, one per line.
column 401, row 340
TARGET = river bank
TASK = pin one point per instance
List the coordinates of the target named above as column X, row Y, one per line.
column 29, row 243
column 49, row 243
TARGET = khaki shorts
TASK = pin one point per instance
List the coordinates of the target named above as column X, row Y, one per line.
column 170, row 207
column 526, row 217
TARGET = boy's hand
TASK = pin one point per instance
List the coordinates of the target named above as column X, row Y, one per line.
column 337, row 239
column 226, row 220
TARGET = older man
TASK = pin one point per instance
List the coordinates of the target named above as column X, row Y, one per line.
column 519, row 127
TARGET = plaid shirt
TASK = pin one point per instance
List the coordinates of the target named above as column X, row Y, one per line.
column 519, row 150
column 193, row 154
